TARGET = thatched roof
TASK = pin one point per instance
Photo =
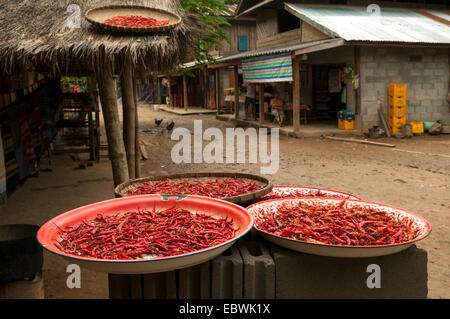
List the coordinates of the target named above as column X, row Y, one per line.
column 34, row 34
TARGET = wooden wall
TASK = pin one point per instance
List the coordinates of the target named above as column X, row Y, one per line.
column 266, row 23
column 280, row 39
column 309, row 33
column 238, row 28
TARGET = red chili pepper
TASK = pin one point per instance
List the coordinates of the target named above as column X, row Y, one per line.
column 141, row 234
column 336, row 225
column 136, row 21
column 219, row 188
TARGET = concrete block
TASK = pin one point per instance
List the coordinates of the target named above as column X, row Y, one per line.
column 259, row 269
column 415, row 72
column 380, row 72
column 227, row 274
column 403, row 275
column 195, row 282
column 159, row 286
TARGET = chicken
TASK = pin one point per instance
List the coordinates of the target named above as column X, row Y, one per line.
column 158, row 122
column 170, row 126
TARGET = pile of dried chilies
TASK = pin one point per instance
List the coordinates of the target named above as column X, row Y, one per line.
column 298, row 193
column 336, row 225
column 219, row 188
column 145, row 234
column 136, row 21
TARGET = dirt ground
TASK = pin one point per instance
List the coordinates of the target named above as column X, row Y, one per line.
column 418, row 181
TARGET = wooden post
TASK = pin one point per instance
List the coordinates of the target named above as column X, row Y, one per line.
column 169, row 92
column 93, row 133
column 261, row 103
column 185, row 93
column 137, row 156
column 217, row 91
column 236, row 92
column 206, row 86
column 129, row 116
column 158, row 100
column 358, row 71
column 116, row 148
column 296, row 95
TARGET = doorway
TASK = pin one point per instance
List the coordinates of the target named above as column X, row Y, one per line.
column 329, row 92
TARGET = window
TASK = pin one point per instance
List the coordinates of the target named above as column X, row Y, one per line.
column 242, row 43
column 287, row 21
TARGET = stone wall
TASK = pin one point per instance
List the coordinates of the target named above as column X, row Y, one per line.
column 425, row 71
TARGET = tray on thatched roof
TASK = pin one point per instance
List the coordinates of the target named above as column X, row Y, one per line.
column 97, row 16
column 265, row 186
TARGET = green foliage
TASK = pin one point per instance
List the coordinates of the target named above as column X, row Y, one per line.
column 208, row 12
column 74, row 80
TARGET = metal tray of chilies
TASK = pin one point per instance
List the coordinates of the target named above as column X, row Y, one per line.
column 284, row 191
column 48, row 234
column 97, row 17
column 121, row 190
column 271, row 207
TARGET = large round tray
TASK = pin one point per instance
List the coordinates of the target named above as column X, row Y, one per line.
column 261, row 209
column 301, row 191
column 48, row 234
column 97, row 16
column 121, row 190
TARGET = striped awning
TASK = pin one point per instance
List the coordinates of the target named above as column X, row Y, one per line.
column 268, row 68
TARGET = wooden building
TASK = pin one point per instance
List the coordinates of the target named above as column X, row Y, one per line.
column 344, row 54
column 199, row 89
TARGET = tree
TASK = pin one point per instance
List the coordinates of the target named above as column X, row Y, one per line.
column 208, row 11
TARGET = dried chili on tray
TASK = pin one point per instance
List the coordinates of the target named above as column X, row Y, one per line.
column 145, row 234
column 135, row 21
column 218, row 188
column 300, row 193
column 337, row 225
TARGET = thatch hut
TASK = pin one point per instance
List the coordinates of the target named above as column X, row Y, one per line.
column 36, row 36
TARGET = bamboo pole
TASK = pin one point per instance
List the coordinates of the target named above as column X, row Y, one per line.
column 116, row 148
column 129, row 115
column 349, row 140
column 137, row 149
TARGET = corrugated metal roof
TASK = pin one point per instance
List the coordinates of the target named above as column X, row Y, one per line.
column 258, row 5
column 289, row 48
column 232, row 8
column 391, row 25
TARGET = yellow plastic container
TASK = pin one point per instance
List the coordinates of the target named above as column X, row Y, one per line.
column 397, row 121
column 397, row 101
column 417, row 127
column 346, row 124
column 396, row 130
column 397, row 90
column 397, row 113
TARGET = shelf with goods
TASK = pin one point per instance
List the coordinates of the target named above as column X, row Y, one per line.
column 28, row 124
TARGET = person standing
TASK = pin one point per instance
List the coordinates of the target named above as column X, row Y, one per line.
column 250, row 101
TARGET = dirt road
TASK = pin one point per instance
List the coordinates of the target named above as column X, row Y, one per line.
column 416, row 181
